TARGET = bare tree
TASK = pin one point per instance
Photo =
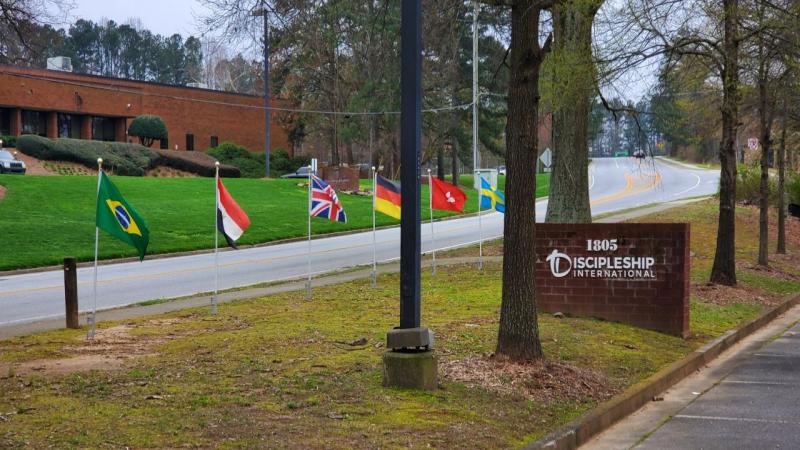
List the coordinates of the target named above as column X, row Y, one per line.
column 709, row 30
column 19, row 18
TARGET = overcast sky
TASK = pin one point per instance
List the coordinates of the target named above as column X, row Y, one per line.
column 167, row 17
column 164, row 17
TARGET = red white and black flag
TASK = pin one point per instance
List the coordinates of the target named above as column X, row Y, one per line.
column 231, row 219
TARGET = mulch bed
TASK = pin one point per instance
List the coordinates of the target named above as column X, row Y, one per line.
column 725, row 295
column 542, row 381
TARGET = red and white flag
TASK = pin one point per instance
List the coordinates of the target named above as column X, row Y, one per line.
column 446, row 196
column 231, row 219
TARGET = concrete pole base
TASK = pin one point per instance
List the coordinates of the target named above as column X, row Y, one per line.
column 410, row 370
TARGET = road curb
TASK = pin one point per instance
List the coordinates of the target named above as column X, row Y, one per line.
column 583, row 429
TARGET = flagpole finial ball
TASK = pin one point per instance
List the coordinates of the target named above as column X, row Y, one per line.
column 216, row 163
column 373, row 168
column 99, row 160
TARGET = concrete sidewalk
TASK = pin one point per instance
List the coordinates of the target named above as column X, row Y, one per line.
column 747, row 398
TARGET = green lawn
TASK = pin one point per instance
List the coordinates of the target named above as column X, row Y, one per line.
column 49, row 218
column 279, row 372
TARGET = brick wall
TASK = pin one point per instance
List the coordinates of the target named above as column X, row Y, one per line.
column 660, row 303
column 201, row 112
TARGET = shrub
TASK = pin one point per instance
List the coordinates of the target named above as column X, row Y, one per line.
column 9, row 141
column 148, row 128
column 118, row 157
column 793, row 188
column 228, row 151
column 748, row 185
column 249, row 164
column 252, row 164
column 196, row 162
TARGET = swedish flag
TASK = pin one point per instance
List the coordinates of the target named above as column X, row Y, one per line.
column 118, row 218
column 491, row 198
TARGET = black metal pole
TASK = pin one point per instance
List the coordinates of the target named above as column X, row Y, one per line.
column 410, row 142
column 266, row 85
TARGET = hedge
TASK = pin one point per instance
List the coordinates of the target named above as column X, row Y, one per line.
column 252, row 164
column 118, row 157
column 196, row 162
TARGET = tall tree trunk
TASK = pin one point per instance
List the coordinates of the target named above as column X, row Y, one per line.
column 454, row 151
column 765, row 121
column 782, row 186
column 724, row 269
column 440, row 162
column 348, row 153
column 574, row 69
column 518, row 337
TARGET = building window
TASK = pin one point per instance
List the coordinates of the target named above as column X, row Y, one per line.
column 69, row 126
column 5, row 121
column 214, row 141
column 190, row 142
column 34, row 122
column 103, row 129
column 165, row 144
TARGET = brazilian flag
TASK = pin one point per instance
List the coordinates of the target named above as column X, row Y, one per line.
column 118, row 218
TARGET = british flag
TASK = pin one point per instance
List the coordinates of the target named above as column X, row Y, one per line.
column 324, row 202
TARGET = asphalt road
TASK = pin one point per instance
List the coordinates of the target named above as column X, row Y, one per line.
column 755, row 406
column 615, row 184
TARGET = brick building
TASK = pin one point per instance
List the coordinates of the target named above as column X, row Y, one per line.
column 65, row 104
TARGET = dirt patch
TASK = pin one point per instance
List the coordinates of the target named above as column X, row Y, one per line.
column 110, row 350
column 542, row 381
column 2, row 192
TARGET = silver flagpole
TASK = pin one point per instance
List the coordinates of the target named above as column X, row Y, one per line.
column 430, row 207
column 374, row 238
column 480, row 227
column 308, row 283
column 216, row 240
column 93, row 318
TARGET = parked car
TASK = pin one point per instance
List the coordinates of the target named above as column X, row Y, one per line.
column 299, row 173
column 501, row 170
column 10, row 164
column 639, row 154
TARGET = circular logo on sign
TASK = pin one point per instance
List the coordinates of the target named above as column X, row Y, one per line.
column 555, row 259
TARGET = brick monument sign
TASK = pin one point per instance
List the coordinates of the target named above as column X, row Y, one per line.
column 341, row 178
column 636, row 273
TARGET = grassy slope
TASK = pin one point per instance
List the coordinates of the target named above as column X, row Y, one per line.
column 44, row 219
column 271, row 371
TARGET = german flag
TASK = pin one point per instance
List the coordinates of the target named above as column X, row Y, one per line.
column 387, row 197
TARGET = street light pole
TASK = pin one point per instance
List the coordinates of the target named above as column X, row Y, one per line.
column 410, row 361
column 475, row 156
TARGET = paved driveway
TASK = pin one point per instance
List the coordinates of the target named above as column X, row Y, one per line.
column 757, row 406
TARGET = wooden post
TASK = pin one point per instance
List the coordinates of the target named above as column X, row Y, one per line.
column 71, row 292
